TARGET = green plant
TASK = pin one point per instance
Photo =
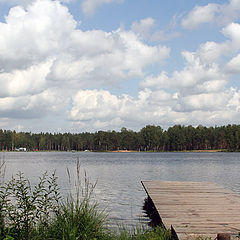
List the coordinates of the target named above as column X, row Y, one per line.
column 141, row 233
column 24, row 210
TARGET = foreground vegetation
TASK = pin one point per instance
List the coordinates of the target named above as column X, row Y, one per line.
column 41, row 213
column 149, row 138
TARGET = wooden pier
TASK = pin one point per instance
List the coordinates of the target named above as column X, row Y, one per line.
column 195, row 208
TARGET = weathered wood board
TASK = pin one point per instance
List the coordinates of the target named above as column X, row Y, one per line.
column 195, row 208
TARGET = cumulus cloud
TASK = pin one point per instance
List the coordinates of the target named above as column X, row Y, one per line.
column 43, row 55
column 205, row 102
column 89, row 6
column 25, row 2
column 199, row 15
column 164, row 36
column 104, row 58
column 199, row 92
column 232, row 31
column 233, row 66
column 31, row 35
column 22, row 82
column 145, row 28
column 195, row 78
column 48, row 66
column 218, row 13
column 161, row 81
column 13, row 2
column 101, row 109
column 212, row 52
column 31, row 106
column 196, row 94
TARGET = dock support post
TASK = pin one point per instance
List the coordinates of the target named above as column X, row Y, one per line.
column 223, row 236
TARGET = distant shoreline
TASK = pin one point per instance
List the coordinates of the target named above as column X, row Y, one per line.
column 133, row 151
column 215, row 150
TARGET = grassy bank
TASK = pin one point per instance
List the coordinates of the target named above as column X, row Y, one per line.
column 40, row 212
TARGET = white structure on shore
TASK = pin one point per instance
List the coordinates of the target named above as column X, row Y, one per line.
column 21, row 149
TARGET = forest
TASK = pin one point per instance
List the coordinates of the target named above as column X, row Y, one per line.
column 149, row 138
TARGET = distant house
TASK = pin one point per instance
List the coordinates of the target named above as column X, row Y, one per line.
column 21, row 149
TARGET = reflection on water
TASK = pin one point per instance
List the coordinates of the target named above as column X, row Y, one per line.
column 119, row 175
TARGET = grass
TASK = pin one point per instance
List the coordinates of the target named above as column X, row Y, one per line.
column 41, row 213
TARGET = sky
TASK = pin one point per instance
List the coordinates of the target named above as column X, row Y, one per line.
column 89, row 65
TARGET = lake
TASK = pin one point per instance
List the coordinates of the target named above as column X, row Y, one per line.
column 119, row 175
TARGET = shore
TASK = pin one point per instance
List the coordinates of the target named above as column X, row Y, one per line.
column 127, row 151
column 210, row 151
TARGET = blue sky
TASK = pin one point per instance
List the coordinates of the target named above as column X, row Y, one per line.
column 73, row 66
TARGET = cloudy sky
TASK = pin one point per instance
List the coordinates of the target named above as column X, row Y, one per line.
column 88, row 65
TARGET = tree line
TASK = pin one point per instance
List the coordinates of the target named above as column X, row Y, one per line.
column 149, row 138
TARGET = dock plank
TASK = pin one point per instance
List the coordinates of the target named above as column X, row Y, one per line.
column 195, row 208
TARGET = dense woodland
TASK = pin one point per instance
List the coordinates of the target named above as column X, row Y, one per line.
column 149, row 138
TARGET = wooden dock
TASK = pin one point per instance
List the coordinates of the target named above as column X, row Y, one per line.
column 195, row 208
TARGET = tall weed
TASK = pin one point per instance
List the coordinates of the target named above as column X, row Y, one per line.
column 25, row 210
column 79, row 217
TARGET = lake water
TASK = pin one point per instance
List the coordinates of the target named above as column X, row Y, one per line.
column 119, row 175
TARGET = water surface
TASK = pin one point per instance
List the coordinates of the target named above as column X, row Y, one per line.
column 119, row 175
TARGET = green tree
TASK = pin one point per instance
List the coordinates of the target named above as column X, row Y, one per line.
column 152, row 137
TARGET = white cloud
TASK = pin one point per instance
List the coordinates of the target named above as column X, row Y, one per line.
column 145, row 29
column 31, row 35
column 212, row 13
column 45, row 59
column 199, row 92
column 212, row 52
column 205, row 102
column 89, row 6
column 99, row 106
column 161, row 81
column 22, row 82
column 233, row 66
column 31, row 106
column 232, row 31
column 101, row 58
column 196, row 94
column 13, row 2
column 195, row 78
column 101, row 109
column 25, row 2
column 48, row 63
column 94, row 104
column 199, row 15
column 232, row 47
column 164, row 36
